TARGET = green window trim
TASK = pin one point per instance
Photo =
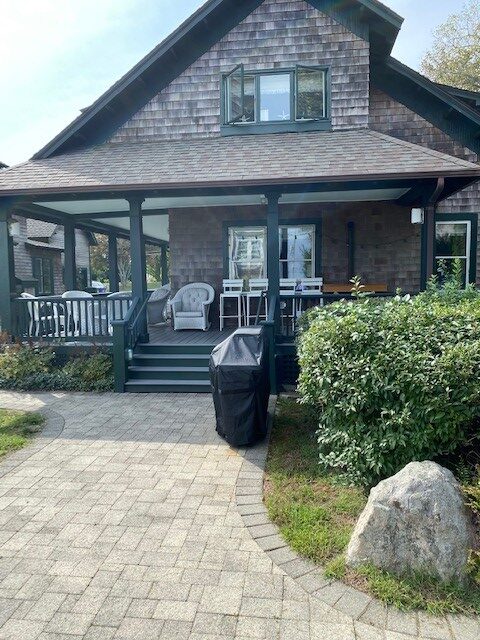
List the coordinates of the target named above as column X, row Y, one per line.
column 232, row 124
column 472, row 240
column 42, row 271
column 316, row 223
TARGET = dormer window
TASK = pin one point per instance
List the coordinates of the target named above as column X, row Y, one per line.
column 274, row 99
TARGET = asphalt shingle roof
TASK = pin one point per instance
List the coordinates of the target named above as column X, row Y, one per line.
column 40, row 229
column 253, row 159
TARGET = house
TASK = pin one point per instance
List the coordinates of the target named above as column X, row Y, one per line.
column 261, row 139
column 38, row 255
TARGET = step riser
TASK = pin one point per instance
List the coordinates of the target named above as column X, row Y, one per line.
column 166, row 388
column 168, row 375
column 158, row 387
column 165, row 361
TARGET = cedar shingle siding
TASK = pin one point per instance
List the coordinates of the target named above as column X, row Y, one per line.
column 393, row 118
column 278, row 34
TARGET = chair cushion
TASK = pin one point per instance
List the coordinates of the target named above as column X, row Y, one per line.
column 189, row 314
column 193, row 299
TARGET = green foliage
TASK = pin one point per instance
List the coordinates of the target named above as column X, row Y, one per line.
column 454, row 58
column 17, row 362
column 16, row 428
column 24, row 368
column 392, row 381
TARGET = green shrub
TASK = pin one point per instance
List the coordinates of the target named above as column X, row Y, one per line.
column 90, row 370
column 24, row 368
column 393, row 381
column 18, row 362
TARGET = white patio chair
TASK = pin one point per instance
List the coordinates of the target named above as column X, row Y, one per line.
column 79, row 313
column 256, row 287
column 191, row 305
column 157, row 305
column 232, row 290
column 38, row 315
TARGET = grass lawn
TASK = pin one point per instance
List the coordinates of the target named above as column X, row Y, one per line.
column 316, row 516
column 16, row 429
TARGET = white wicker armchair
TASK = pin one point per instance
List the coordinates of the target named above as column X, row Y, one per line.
column 191, row 305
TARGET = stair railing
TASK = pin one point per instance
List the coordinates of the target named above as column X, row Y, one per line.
column 126, row 334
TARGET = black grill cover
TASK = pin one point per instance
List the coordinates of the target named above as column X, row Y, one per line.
column 240, row 386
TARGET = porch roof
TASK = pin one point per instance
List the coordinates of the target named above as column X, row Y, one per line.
column 237, row 161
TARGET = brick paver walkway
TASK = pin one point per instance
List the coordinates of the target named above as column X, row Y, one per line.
column 122, row 521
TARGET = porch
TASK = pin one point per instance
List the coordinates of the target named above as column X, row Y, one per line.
column 354, row 191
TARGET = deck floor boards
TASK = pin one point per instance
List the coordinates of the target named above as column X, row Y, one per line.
column 164, row 334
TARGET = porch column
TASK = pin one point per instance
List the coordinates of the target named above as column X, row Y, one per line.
column 164, row 264
column 7, row 269
column 138, row 255
column 113, row 263
column 70, row 265
column 273, row 253
column 428, row 246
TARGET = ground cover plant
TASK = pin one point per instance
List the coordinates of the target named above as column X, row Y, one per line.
column 27, row 368
column 16, row 429
column 316, row 513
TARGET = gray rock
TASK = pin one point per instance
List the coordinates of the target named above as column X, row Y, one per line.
column 414, row 521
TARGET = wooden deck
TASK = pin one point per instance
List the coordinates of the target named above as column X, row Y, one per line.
column 164, row 334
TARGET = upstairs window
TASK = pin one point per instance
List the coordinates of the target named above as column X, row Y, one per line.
column 296, row 95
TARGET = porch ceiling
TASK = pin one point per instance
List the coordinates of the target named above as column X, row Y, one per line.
column 155, row 220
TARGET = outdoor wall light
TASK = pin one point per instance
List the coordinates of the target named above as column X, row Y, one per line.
column 13, row 228
column 129, row 354
column 418, row 216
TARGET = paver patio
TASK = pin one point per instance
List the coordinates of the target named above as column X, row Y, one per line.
column 129, row 518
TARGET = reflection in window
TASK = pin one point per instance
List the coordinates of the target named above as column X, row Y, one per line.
column 453, row 247
column 275, row 97
column 296, row 252
column 310, row 93
column 247, row 252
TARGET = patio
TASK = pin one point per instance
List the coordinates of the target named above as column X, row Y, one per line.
column 128, row 518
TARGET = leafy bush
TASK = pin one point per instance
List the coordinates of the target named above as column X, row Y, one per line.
column 17, row 362
column 394, row 381
column 27, row 369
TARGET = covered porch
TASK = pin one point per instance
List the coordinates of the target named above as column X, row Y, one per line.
column 196, row 197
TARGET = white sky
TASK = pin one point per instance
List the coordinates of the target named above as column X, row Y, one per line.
column 57, row 56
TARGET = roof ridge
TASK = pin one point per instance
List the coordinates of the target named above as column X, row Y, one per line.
column 426, row 150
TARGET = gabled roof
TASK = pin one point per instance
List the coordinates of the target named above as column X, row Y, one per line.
column 237, row 161
column 440, row 105
column 190, row 41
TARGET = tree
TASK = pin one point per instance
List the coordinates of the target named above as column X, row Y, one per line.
column 99, row 260
column 454, row 58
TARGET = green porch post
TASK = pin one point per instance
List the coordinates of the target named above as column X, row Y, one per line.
column 113, row 263
column 7, row 270
column 427, row 247
column 164, row 264
column 273, row 272
column 70, row 263
column 138, row 256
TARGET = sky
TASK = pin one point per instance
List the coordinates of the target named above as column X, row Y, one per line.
column 58, row 56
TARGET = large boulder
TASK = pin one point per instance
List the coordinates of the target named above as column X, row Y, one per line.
column 414, row 521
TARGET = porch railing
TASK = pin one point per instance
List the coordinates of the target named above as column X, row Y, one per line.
column 126, row 334
column 293, row 306
column 54, row 318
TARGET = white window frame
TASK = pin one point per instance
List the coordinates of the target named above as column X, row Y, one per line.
column 468, row 244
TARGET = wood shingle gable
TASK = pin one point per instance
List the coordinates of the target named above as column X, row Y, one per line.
column 368, row 18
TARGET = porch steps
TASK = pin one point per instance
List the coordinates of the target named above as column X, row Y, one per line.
column 170, row 368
